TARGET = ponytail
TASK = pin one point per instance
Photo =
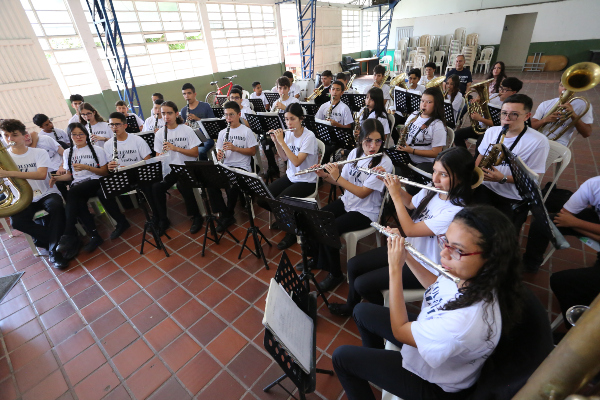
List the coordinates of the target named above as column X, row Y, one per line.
column 172, row 104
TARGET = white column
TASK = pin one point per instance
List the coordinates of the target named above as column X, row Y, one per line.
column 207, row 35
column 279, row 33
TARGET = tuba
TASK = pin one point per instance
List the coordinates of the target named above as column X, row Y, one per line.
column 481, row 106
column 9, row 206
column 577, row 78
column 437, row 83
column 493, row 154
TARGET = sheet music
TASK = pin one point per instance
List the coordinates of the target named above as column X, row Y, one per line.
column 292, row 328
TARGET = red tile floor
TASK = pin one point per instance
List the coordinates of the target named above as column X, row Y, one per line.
column 120, row 325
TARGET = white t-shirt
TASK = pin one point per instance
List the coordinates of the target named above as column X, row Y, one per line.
column 184, row 137
column 385, row 88
column 370, row 205
column 286, row 103
column 51, row 146
column 424, row 81
column 74, row 118
column 452, row 346
column 533, row 149
column 578, row 107
column 62, row 135
column 149, row 124
column 419, row 90
column 434, row 135
column 241, row 137
column 588, row 194
column 341, row 113
column 262, row 97
column 294, row 90
column 384, row 121
column 139, row 121
column 84, row 155
column 437, row 215
column 246, row 110
column 101, row 129
column 456, row 104
column 307, row 143
column 30, row 162
column 131, row 150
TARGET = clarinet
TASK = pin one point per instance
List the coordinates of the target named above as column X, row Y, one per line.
column 90, row 129
column 155, row 122
column 226, row 139
column 165, row 139
column 115, row 156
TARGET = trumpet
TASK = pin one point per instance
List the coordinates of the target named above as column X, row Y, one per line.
column 317, row 93
column 493, row 154
column 418, row 255
column 309, row 170
column 401, row 179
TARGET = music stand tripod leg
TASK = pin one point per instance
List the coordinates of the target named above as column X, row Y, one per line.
column 255, row 232
column 307, row 276
column 150, row 225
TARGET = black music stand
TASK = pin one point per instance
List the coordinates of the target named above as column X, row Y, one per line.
column 134, row 179
column 449, row 115
column 307, row 302
column 271, row 97
column 252, row 186
column 264, row 122
column 310, row 108
column 530, row 192
column 297, row 219
column 221, row 99
column 399, row 158
column 218, row 111
column 406, row 102
column 149, row 139
column 355, row 101
column 212, row 126
column 258, row 105
column 205, row 175
column 495, row 113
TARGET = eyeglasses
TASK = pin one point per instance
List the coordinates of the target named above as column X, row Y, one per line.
column 513, row 116
column 230, row 114
column 234, row 98
column 115, row 125
column 87, row 114
column 369, row 141
column 75, row 135
column 454, row 252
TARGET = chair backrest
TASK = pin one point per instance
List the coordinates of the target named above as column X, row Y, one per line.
column 421, row 50
column 454, row 47
column 398, row 57
column 449, row 138
column 460, row 34
column 420, row 61
column 321, row 147
column 411, row 55
column 447, row 39
column 245, row 95
column 472, row 39
column 486, row 54
column 452, row 60
column 556, row 153
column 438, row 56
column 386, row 59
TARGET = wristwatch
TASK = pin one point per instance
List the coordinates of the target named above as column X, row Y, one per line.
column 503, row 180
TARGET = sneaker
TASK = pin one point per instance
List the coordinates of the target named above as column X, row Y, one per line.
column 330, row 282
column 312, row 264
column 120, row 228
column 288, row 241
column 95, row 241
column 197, row 223
column 224, row 223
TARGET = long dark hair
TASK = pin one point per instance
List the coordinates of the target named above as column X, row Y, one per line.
column 369, row 126
column 500, row 76
column 460, row 164
column 376, row 95
column 500, row 275
column 72, row 145
column 89, row 107
column 171, row 104
column 438, row 106
column 456, row 85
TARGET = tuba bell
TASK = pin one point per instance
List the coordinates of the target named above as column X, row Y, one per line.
column 577, row 78
column 436, row 83
column 399, row 80
column 11, row 206
column 481, row 106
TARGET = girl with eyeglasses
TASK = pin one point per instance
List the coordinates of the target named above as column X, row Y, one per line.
column 445, row 347
column 98, row 129
column 361, row 201
column 85, row 164
column 421, row 218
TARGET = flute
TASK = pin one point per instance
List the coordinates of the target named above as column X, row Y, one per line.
column 402, row 179
column 309, row 170
column 418, row 255
column 284, row 131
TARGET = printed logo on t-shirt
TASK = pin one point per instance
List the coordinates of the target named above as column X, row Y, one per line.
column 424, row 215
column 180, row 141
column 86, row 159
column 356, row 175
column 25, row 167
column 294, row 149
column 419, row 137
column 128, row 156
column 433, row 298
column 241, row 139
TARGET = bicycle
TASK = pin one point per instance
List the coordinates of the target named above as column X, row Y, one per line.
column 211, row 97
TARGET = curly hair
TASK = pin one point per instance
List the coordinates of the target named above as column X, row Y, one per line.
column 500, row 276
column 72, row 145
column 369, row 126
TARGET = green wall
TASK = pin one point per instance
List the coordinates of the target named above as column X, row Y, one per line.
column 575, row 50
column 105, row 102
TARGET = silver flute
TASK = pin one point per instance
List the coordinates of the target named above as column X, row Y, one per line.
column 402, row 179
column 320, row 167
column 284, row 131
column 418, row 255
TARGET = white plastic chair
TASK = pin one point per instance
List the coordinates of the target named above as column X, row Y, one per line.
column 485, row 59
column 411, row 61
column 387, row 61
column 420, row 61
column 559, row 156
column 438, row 60
column 460, row 34
column 451, row 62
column 398, row 60
column 470, row 53
column 472, row 39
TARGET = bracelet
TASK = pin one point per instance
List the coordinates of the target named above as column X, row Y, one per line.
column 338, row 177
column 413, row 152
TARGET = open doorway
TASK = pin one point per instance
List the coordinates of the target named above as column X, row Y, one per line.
column 516, row 38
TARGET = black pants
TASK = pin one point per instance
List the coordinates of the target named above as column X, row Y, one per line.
column 111, row 207
column 157, row 197
column 574, row 287
column 218, row 204
column 484, row 195
column 328, row 258
column 47, row 236
column 76, row 206
column 368, row 275
column 284, row 187
column 461, row 135
column 357, row 366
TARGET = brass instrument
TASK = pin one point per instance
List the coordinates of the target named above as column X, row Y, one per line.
column 402, row 180
column 328, row 112
column 404, row 131
column 418, row 255
column 480, row 106
column 437, row 83
column 493, row 154
column 398, row 80
column 320, row 167
column 317, row 93
column 350, row 83
column 577, row 78
column 357, row 122
column 9, row 206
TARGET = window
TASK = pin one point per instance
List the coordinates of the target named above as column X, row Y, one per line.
column 244, row 36
column 163, row 40
column 350, row 31
column 369, row 36
column 53, row 25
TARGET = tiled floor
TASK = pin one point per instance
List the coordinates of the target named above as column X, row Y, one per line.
column 119, row 325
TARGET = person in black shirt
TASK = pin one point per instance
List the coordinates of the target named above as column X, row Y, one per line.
column 326, row 79
column 463, row 74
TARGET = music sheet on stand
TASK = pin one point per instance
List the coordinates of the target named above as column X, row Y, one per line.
column 292, row 328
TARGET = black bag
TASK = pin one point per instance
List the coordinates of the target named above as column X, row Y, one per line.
column 557, row 198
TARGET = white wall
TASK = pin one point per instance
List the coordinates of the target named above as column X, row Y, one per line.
column 556, row 21
column 328, row 39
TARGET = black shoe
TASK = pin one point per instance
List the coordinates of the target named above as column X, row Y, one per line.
column 68, row 246
column 57, row 260
column 224, row 223
column 288, row 241
column 530, row 265
column 95, row 241
column 312, row 264
column 343, row 310
column 164, row 224
column 120, row 228
column 197, row 223
column 330, row 282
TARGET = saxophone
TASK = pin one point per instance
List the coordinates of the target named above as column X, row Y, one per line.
column 493, row 154
column 385, row 78
column 357, row 122
column 328, row 112
column 404, row 131
column 350, row 83
column 190, row 122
